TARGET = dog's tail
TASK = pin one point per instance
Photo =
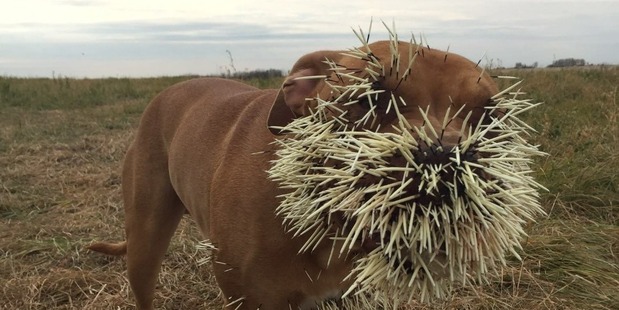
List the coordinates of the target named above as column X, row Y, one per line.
column 116, row 249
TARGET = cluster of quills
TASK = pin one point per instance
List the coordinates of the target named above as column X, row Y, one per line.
column 435, row 222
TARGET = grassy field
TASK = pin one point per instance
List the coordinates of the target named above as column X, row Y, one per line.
column 62, row 141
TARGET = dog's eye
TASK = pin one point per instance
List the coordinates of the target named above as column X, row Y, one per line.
column 376, row 99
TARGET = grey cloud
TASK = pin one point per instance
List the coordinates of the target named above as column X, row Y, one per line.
column 198, row 32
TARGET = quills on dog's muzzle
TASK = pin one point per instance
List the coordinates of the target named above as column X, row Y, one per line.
column 428, row 208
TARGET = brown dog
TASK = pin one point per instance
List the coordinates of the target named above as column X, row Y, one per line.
column 203, row 147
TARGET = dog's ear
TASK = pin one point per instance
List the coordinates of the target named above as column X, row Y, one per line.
column 290, row 101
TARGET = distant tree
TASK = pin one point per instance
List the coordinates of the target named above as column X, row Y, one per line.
column 231, row 63
column 520, row 65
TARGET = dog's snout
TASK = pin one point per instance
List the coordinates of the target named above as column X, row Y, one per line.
column 433, row 153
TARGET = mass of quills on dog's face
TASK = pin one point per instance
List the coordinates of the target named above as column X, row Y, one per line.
column 428, row 202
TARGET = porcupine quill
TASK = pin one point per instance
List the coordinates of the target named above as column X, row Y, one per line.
column 428, row 240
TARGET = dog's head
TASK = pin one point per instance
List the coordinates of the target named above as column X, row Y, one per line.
column 410, row 158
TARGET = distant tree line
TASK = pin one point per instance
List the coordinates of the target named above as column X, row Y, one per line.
column 254, row 74
column 520, row 65
column 559, row 63
column 568, row 62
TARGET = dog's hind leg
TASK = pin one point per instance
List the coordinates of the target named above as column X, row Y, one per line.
column 152, row 213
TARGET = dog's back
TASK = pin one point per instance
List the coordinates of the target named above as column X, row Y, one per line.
column 194, row 115
column 218, row 144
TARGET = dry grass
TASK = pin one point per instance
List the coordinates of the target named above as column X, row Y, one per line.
column 61, row 143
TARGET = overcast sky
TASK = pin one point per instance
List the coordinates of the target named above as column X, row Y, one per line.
column 132, row 38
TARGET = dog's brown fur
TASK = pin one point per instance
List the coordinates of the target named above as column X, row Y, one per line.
column 203, row 147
